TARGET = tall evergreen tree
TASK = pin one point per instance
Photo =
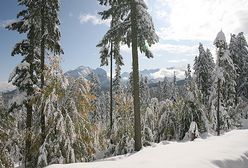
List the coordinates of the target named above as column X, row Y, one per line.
column 220, row 43
column 110, row 48
column 223, row 93
column 24, row 75
column 166, row 89
column 47, row 17
column 135, row 28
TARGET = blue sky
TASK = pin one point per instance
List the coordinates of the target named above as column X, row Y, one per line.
column 180, row 24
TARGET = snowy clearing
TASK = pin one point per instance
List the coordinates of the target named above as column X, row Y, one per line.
column 227, row 151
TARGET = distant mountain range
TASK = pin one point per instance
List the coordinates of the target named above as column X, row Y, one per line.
column 153, row 75
column 5, row 87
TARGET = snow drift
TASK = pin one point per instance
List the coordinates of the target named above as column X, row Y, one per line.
column 227, row 151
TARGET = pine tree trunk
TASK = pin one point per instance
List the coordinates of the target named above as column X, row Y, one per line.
column 137, row 125
column 218, row 109
column 236, row 96
column 29, row 104
column 111, row 88
column 42, row 114
column 28, row 156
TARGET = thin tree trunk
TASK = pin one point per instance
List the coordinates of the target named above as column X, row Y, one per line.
column 28, row 156
column 218, row 109
column 42, row 114
column 137, row 125
column 111, row 87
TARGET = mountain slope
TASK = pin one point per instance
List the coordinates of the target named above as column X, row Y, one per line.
column 86, row 72
column 227, row 151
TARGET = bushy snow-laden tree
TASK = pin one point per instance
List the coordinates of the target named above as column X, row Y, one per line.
column 122, row 133
column 134, row 28
column 79, row 92
column 164, row 120
column 50, row 41
column 152, row 116
column 144, row 94
column 60, row 137
column 67, row 107
column 193, row 109
column 166, row 123
column 192, row 132
column 6, row 122
column 203, row 67
column 239, row 54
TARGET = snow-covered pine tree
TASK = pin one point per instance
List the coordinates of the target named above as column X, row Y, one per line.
column 218, row 76
column 134, row 27
column 166, row 89
column 167, row 121
column 144, row 93
column 243, row 49
column 110, row 48
column 239, row 54
column 188, row 77
column 222, row 99
column 174, row 88
column 210, row 67
column 193, row 110
column 24, row 76
column 80, row 93
column 122, row 133
column 203, row 67
column 95, row 90
column 152, row 116
column 46, row 16
column 229, row 90
column 67, row 109
column 57, row 145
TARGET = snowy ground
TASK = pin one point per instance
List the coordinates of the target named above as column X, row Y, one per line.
column 227, row 151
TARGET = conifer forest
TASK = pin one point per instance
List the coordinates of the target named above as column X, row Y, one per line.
column 52, row 117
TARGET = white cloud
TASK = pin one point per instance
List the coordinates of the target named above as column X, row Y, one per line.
column 168, row 48
column 175, row 49
column 178, row 61
column 164, row 72
column 94, row 19
column 200, row 19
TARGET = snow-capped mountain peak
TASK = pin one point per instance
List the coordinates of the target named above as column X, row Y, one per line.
column 169, row 73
